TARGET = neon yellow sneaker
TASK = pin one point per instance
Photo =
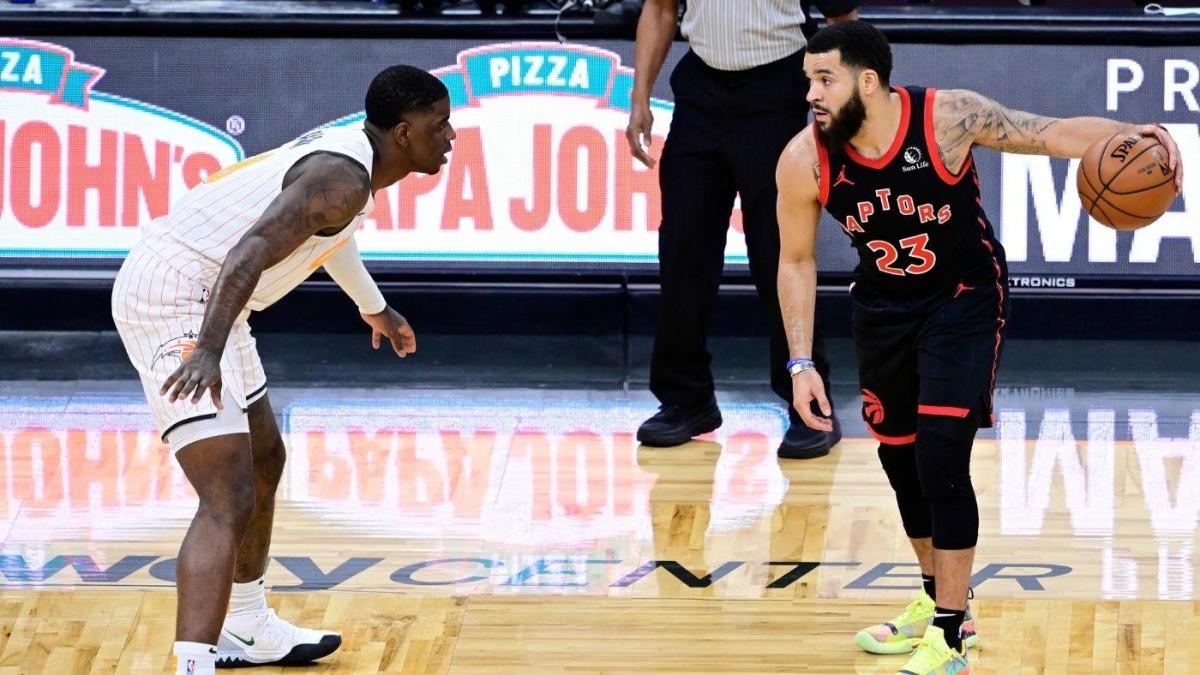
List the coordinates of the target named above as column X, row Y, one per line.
column 899, row 636
column 935, row 657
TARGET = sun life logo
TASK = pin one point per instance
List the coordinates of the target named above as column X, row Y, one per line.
column 912, row 155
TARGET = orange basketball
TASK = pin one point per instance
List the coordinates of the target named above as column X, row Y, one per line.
column 1125, row 181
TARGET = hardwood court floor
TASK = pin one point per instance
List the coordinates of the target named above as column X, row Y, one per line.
column 131, row 632
column 525, row 531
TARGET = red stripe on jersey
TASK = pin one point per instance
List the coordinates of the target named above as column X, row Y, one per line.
column 892, row 440
column 823, row 160
column 1000, row 320
column 943, row 411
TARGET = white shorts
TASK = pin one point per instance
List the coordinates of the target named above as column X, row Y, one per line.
column 158, row 313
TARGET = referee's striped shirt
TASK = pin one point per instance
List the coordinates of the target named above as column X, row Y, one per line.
column 742, row 34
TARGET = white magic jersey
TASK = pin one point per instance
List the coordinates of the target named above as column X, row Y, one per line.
column 161, row 293
column 210, row 219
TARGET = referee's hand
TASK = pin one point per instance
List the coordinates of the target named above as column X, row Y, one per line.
column 641, row 121
column 806, row 388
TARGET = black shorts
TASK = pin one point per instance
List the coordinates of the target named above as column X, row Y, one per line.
column 927, row 356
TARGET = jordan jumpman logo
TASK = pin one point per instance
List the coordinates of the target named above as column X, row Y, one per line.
column 841, row 178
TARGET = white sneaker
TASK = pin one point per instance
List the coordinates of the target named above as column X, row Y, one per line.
column 264, row 638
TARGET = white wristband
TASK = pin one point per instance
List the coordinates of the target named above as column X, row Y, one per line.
column 801, row 367
column 797, row 366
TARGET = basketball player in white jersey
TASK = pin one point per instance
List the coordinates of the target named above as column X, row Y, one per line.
column 235, row 244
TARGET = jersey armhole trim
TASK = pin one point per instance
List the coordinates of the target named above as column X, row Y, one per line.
column 336, row 154
column 931, row 145
column 823, row 162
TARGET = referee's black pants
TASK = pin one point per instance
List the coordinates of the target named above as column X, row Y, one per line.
column 727, row 133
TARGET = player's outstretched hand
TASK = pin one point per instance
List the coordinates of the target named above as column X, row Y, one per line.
column 395, row 328
column 807, row 387
column 1163, row 136
column 201, row 372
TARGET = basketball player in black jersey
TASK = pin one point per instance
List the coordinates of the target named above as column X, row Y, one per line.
column 893, row 166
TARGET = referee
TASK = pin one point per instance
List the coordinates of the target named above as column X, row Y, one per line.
column 739, row 98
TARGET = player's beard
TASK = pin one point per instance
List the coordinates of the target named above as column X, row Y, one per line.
column 845, row 123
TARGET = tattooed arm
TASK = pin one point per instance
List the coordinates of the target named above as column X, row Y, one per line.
column 322, row 193
column 963, row 118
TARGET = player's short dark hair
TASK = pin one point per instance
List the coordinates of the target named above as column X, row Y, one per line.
column 861, row 44
column 399, row 90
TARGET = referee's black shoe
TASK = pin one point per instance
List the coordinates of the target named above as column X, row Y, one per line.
column 677, row 424
column 803, row 442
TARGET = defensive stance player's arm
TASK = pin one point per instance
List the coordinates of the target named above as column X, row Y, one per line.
column 322, row 193
column 798, row 210
column 346, row 268
column 963, row 118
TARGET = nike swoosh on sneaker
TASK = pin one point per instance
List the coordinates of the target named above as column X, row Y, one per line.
column 248, row 643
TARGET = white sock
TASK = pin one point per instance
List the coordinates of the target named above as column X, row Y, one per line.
column 195, row 658
column 247, row 598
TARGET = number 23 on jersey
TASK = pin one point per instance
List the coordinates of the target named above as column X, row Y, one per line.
column 923, row 259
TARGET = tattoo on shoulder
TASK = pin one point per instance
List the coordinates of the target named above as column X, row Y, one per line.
column 963, row 118
column 327, row 198
column 817, row 172
column 332, row 201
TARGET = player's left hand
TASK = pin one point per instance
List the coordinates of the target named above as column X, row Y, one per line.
column 807, row 388
column 1164, row 137
column 395, row 328
column 199, row 373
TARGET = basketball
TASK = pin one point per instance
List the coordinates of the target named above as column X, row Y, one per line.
column 1125, row 181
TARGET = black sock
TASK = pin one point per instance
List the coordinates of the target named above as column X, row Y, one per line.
column 930, row 589
column 950, row 621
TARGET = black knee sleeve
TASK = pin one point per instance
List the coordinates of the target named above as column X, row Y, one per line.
column 944, row 464
column 900, row 465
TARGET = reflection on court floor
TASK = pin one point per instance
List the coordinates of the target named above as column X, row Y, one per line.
column 546, row 491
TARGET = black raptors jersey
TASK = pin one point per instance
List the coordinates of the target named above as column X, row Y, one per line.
column 918, row 229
